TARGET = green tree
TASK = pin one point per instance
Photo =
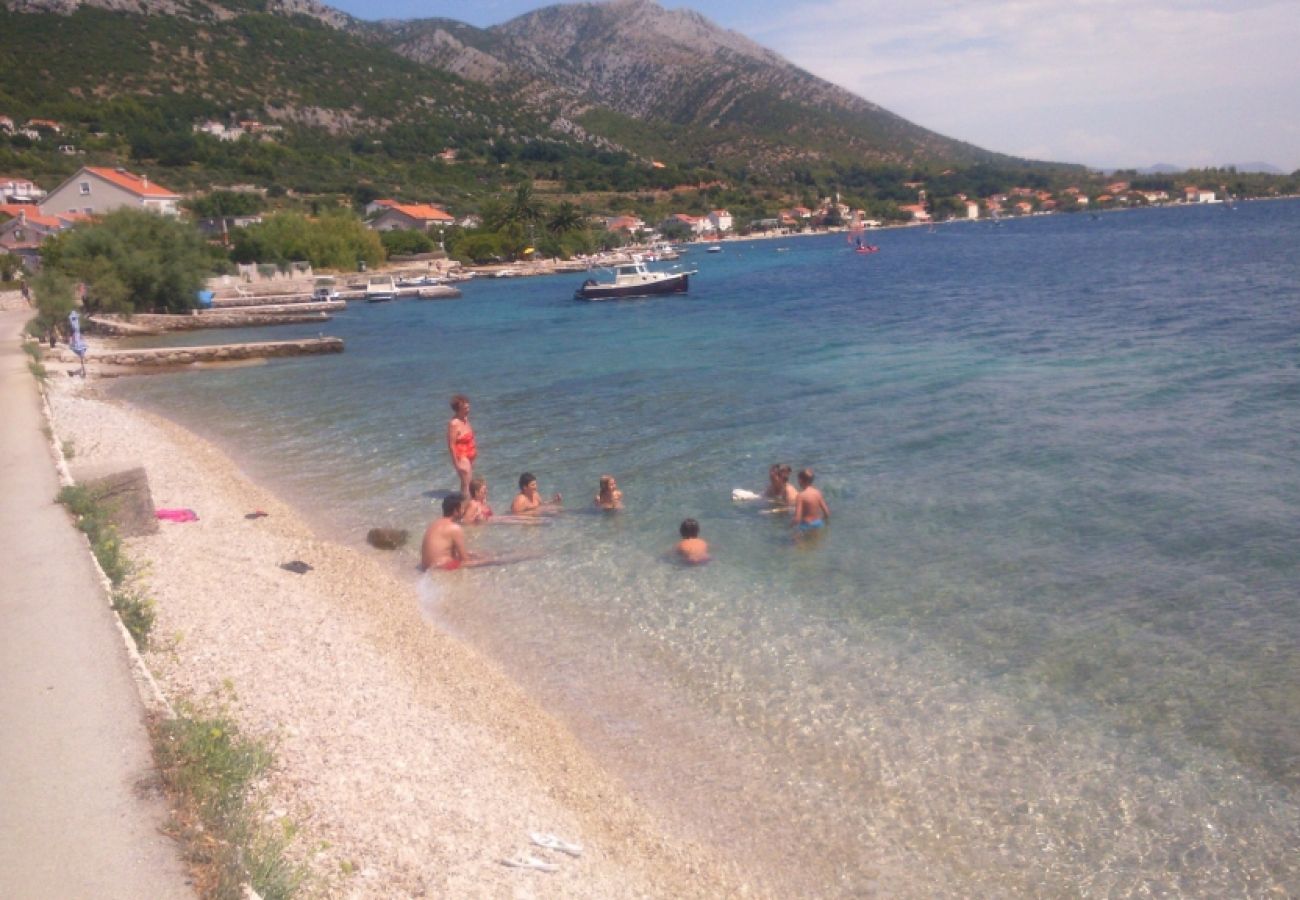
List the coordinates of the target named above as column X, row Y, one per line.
column 565, row 218
column 338, row 239
column 403, row 242
column 133, row 260
column 225, row 203
column 52, row 292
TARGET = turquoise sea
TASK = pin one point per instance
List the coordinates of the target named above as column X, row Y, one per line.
column 1050, row 644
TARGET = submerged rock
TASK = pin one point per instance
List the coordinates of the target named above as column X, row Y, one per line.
column 387, row 538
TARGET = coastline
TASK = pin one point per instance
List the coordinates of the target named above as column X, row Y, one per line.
column 407, row 760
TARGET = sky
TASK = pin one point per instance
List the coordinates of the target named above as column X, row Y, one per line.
column 1106, row 83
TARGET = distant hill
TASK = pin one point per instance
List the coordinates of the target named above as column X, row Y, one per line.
column 675, row 78
column 618, row 97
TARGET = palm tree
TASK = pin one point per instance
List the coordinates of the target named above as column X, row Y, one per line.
column 566, row 217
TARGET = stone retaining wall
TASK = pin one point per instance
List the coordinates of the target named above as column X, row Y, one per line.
column 183, row 356
column 151, row 323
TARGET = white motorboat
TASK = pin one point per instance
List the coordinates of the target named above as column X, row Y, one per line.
column 633, row 280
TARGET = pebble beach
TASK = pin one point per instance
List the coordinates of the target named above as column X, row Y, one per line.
column 406, row 760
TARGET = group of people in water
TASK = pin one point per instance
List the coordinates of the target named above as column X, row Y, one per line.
column 444, row 541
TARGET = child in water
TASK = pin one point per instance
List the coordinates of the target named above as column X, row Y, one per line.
column 692, row 548
column 810, row 510
column 477, row 511
column 609, row 496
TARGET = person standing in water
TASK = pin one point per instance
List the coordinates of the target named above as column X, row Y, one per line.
column 460, row 442
column 810, row 510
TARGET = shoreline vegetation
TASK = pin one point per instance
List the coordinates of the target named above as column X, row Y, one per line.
column 401, row 761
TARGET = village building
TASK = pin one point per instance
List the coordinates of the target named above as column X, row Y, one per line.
column 95, row 190
column 45, row 125
column 719, row 220
column 629, row 224
column 697, row 224
column 916, row 211
column 19, row 190
column 972, row 209
column 1194, row 194
column 23, row 235
column 394, row 216
column 7, row 125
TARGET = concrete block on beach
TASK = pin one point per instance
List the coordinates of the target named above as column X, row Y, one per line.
column 127, row 500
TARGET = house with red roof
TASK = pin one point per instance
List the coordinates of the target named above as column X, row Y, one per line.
column 394, row 216
column 96, row 190
column 917, row 211
column 23, row 234
column 719, row 220
column 630, row 224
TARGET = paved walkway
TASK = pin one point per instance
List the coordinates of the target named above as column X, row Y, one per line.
column 77, row 818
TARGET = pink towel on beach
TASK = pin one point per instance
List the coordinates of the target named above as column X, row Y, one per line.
column 176, row 515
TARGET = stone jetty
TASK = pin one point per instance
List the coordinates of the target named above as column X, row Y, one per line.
column 168, row 357
column 256, row 317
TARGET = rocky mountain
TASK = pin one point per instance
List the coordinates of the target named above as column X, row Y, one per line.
column 675, row 68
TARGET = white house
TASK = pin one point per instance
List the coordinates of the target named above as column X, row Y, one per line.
column 19, row 190
column 95, row 190
column 719, row 220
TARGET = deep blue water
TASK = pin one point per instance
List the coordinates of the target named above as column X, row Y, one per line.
column 1051, row 642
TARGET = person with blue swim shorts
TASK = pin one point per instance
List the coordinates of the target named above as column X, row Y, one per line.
column 810, row 510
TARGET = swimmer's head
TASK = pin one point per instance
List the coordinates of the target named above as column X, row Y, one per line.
column 477, row 485
column 526, row 479
column 607, row 484
column 451, row 504
column 805, row 477
column 689, row 529
column 459, row 402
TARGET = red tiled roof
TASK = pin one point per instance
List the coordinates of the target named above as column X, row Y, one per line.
column 422, row 211
column 141, row 187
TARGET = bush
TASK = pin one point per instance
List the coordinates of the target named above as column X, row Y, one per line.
column 211, row 769
column 335, row 240
column 405, row 242
column 131, row 259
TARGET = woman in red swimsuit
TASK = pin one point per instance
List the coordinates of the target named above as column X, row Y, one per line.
column 460, row 442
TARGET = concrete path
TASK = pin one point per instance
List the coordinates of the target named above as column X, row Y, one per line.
column 80, row 814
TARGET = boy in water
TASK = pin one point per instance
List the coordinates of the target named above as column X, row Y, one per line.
column 529, row 499
column 810, row 509
column 692, row 547
column 444, row 541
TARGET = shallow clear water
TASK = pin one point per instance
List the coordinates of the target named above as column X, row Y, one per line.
column 1050, row 644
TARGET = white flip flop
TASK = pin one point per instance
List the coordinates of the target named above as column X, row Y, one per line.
column 523, row 861
column 551, row 842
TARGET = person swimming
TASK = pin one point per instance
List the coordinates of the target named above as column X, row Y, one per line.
column 692, row 548
column 810, row 510
column 477, row 510
column 529, row 499
column 779, row 489
column 609, row 497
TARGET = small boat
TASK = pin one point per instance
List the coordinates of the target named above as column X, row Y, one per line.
column 325, row 291
column 380, row 289
column 633, row 280
column 714, row 248
column 661, row 252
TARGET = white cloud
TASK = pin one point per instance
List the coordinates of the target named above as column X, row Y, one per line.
column 1005, row 73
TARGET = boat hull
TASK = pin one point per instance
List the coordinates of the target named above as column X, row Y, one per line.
column 594, row 290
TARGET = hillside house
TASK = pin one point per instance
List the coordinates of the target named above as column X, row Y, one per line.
column 219, row 131
column 629, row 224
column 95, row 190
column 917, row 211
column 394, row 216
column 23, row 235
column 697, row 224
column 45, row 125
column 719, row 220
column 19, row 190
column 7, row 125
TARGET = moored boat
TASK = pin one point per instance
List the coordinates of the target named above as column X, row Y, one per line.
column 380, row 289
column 633, row 280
